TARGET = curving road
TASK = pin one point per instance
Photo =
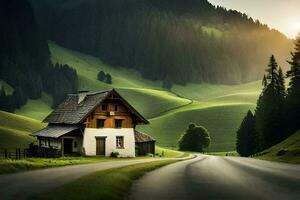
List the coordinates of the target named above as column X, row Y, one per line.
column 211, row 177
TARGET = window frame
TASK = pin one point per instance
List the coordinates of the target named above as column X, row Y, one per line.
column 120, row 140
column 121, row 123
column 104, row 107
column 98, row 120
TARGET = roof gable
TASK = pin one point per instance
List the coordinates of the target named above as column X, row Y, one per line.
column 76, row 108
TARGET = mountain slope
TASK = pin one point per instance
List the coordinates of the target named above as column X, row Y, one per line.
column 185, row 41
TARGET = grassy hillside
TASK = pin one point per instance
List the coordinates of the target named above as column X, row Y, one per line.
column 37, row 109
column 15, row 130
column 220, row 108
column 286, row 151
column 222, row 121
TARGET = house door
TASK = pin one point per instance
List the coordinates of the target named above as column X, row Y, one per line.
column 100, row 146
column 68, row 146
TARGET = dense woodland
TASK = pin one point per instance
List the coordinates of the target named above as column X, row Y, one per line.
column 278, row 110
column 182, row 41
column 25, row 59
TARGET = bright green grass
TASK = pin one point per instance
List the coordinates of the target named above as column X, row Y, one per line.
column 221, row 120
column 168, row 153
column 37, row 109
column 88, row 67
column 109, row 184
column 12, row 166
column 15, row 130
column 150, row 102
column 246, row 93
column 286, row 151
column 8, row 89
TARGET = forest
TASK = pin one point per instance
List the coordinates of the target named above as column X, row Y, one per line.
column 277, row 112
column 183, row 41
column 25, row 59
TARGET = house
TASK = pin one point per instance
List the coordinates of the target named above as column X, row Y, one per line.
column 96, row 124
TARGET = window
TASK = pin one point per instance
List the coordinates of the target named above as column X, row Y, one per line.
column 75, row 144
column 104, row 107
column 118, row 123
column 120, row 142
column 100, row 123
column 116, row 107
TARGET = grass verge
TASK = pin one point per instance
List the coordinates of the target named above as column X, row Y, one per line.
column 287, row 151
column 12, row 166
column 109, row 184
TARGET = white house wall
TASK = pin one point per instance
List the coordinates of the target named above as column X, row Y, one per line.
column 90, row 135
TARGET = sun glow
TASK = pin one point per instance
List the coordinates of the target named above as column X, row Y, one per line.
column 295, row 26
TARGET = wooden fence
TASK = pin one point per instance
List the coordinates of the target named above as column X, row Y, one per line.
column 31, row 152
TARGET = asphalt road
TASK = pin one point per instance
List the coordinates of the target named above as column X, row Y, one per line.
column 24, row 185
column 211, row 177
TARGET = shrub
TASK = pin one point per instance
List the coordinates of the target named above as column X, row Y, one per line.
column 114, row 154
column 196, row 138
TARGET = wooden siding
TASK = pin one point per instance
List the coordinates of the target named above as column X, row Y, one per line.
column 110, row 115
column 145, row 148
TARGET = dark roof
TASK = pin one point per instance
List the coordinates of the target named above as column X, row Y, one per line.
column 77, row 107
column 55, row 131
column 142, row 137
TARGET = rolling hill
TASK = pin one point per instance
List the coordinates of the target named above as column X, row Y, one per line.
column 15, row 130
column 220, row 108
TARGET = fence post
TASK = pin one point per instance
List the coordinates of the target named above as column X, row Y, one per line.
column 5, row 153
column 19, row 150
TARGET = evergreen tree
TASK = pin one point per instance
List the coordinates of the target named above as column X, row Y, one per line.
column 108, row 79
column 293, row 95
column 269, row 111
column 265, row 81
column 101, row 76
column 19, row 97
column 247, row 138
column 167, row 83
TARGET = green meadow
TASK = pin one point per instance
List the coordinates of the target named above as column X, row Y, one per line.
column 15, row 130
column 220, row 108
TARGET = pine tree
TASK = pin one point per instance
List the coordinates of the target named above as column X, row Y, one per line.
column 247, row 139
column 292, row 110
column 108, row 79
column 167, row 83
column 272, row 72
column 101, row 76
column 269, row 111
column 265, row 81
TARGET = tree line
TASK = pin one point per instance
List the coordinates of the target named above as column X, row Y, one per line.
column 171, row 40
column 277, row 113
column 25, row 59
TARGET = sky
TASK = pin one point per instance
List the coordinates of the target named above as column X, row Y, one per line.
column 283, row 15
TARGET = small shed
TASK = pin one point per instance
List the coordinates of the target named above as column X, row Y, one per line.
column 144, row 143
